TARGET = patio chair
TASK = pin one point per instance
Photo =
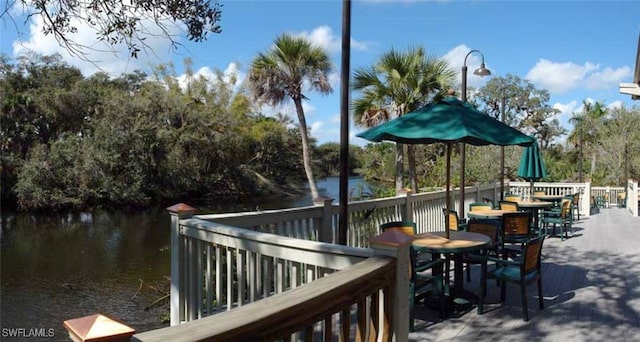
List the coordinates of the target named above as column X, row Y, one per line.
column 576, row 205
column 509, row 206
column 563, row 218
column 455, row 223
column 521, row 272
column 512, row 198
column 488, row 201
column 479, row 206
column 423, row 281
column 516, row 229
column 490, row 228
column 622, row 200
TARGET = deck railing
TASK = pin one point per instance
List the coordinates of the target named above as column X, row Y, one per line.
column 256, row 263
column 320, row 222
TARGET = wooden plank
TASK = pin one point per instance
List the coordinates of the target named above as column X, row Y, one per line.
column 274, row 317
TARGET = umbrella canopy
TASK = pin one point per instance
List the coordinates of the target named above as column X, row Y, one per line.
column 450, row 121
column 532, row 165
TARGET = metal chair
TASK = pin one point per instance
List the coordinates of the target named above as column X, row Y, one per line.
column 423, row 281
column 455, row 223
column 521, row 272
column 509, row 206
column 479, row 206
column 488, row 201
column 516, row 229
column 490, row 228
column 563, row 218
column 513, row 198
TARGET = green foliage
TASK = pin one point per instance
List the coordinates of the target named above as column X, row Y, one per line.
column 133, row 141
column 117, row 22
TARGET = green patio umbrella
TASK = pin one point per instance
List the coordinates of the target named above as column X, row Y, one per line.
column 448, row 121
column 532, row 165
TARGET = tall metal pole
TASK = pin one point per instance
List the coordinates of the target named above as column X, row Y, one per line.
column 463, row 97
column 344, row 121
column 482, row 71
column 503, row 104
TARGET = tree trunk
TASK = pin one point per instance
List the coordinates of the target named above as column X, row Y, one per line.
column 306, row 157
column 399, row 168
column 411, row 157
column 593, row 164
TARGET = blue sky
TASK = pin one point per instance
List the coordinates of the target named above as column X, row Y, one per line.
column 575, row 49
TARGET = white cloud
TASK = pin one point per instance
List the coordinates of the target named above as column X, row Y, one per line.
column 456, row 57
column 98, row 55
column 231, row 71
column 607, row 78
column 560, row 78
column 316, row 129
column 323, row 36
column 566, row 111
column 615, row 104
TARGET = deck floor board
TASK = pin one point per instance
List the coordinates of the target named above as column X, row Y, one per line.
column 591, row 285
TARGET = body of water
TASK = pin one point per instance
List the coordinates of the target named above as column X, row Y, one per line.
column 61, row 267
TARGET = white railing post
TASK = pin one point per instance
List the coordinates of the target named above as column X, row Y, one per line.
column 585, row 198
column 326, row 223
column 408, row 206
column 396, row 244
column 178, row 212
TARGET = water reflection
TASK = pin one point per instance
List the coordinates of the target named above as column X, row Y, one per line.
column 67, row 266
column 60, row 267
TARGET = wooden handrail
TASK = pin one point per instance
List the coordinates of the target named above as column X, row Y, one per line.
column 299, row 309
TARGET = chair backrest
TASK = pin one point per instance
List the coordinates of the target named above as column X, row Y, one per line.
column 407, row 227
column 516, row 224
column 576, row 198
column 490, row 228
column 512, row 198
column 509, row 206
column 452, row 216
column 480, row 206
column 488, row 200
column 565, row 208
column 532, row 254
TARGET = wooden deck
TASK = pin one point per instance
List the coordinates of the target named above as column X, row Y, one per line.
column 591, row 285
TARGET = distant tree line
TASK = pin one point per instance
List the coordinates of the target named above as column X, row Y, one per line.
column 69, row 141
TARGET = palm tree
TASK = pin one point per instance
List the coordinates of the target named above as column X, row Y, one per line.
column 399, row 82
column 280, row 74
column 586, row 126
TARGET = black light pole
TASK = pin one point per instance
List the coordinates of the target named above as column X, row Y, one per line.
column 481, row 71
column 344, row 121
column 503, row 105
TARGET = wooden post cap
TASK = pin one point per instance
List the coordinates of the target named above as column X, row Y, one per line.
column 181, row 208
column 391, row 238
column 97, row 328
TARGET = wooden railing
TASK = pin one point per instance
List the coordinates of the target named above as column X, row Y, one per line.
column 245, row 268
column 320, row 222
column 343, row 306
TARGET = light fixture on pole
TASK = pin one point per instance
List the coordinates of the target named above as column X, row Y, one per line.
column 481, row 71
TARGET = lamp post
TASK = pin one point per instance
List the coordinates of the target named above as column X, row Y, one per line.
column 503, row 105
column 481, row 71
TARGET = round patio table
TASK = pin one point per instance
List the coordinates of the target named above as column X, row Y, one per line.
column 549, row 198
column 534, row 206
column 488, row 214
column 459, row 242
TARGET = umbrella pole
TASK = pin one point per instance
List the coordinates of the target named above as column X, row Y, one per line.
column 531, row 191
column 446, row 220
